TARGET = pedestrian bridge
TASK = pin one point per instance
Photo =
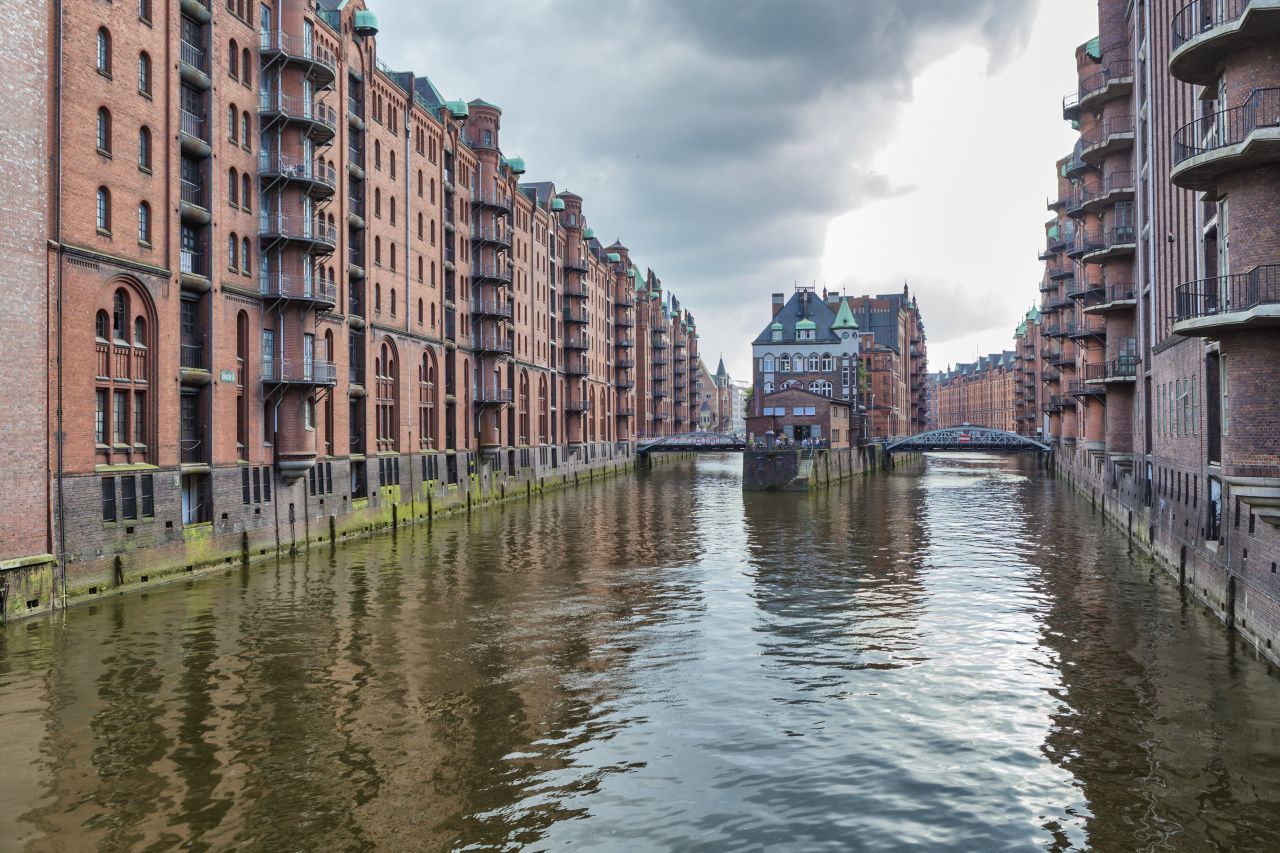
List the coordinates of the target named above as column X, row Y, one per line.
column 693, row 442
column 965, row 437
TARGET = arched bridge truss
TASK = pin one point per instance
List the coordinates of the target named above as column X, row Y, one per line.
column 701, row 442
column 963, row 438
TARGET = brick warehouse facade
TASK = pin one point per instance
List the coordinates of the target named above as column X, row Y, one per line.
column 1158, row 349
column 289, row 291
column 984, row 392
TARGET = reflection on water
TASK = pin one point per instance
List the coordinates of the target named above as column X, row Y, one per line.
column 957, row 657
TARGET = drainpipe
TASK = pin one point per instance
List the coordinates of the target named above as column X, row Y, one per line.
column 57, row 231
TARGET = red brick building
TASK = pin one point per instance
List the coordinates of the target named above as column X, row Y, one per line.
column 894, row 363
column 287, row 287
column 1161, row 294
column 983, row 393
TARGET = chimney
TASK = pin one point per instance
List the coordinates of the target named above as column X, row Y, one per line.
column 777, row 303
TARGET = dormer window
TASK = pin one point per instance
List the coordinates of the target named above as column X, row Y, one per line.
column 777, row 334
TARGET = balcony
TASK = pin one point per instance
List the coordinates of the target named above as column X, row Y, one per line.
column 1080, row 388
column 491, row 343
column 625, row 363
column 576, row 366
column 1238, row 138
column 660, row 392
column 298, row 371
column 577, row 407
column 193, row 269
column 355, row 113
column 1087, row 327
column 482, row 307
column 1061, row 358
column 298, row 288
column 1113, row 81
column 193, row 203
column 1090, row 198
column 1101, row 245
column 577, row 265
column 1205, row 32
column 491, row 199
column 1230, row 302
column 321, row 120
column 193, row 65
column 1057, row 304
column 1083, row 288
column 580, row 316
column 355, row 262
column 1075, row 165
column 576, row 289
column 194, row 447
column 624, row 342
column 1048, row 285
column 660, row 360
column 661, row 416
column 626, row 411
column 1053, row 330
column 481, row 273
column 355, row 162
column 576, row 342
column 1056, row 402
column 318, row 61
column 488, row 395
column 1115, row 297
column 625, row 320
column 1071, row 106
column 659, row 343
column 193, row 132
column 315, row 234
column 625, row 301
column 1107, row 137
column 193, row 360
column 318, row 181
column 1117, row 370
column 492, row 234
column 355, row 212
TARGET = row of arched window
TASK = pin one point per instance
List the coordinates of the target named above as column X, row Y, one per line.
column 102, row 216
column 818, row 386
column 104, row 58
column 239, row 63
column 797, row 364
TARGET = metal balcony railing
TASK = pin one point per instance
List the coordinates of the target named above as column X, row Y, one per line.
column 299, row 371
column 194, row 448
column 194, row 355
column 1116, row 69
column 491, row 394
column 193, row 55
column 193, row 262
column 490, row 272
column 298, row 47
column 1227, row 294
column 490, row 198
column 489, row 233
column 277, row 225
column 194, row 194
column 1202, row 16
column 1102, row 132
column 298, row 107
column 1227, row 127
column 355, row 157
column 481, row 306
column 355, row 106
column 1122, row 367
column 192, row 125
column 491, row 343
column 298, row 168
column 286, row 286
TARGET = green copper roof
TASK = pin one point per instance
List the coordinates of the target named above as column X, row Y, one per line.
column 1034, row 314
column 805, row 325
column 844, row 317
column 1093, row 48
column 557, row 204
column 458, row 109
column 366, row 23
column 614, row 256
column 517, row 165
column 1022, row 330
column 588, row 233
column 1053, row 231
column 776, row 326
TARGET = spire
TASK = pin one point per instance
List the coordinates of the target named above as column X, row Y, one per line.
column 720, row 371
column 844, row 317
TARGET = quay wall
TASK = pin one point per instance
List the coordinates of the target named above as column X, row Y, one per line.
column 796, row 470
column 1169, row 528
column 155, row 550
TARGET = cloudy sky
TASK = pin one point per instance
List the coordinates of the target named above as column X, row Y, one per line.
column 738, row 148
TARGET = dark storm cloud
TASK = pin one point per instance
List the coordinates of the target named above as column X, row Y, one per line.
column 716, row 138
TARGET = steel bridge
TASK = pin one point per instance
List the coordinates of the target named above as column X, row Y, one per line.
column 966, row 437
column 693, row 442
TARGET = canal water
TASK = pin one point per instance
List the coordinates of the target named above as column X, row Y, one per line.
column 957, row 657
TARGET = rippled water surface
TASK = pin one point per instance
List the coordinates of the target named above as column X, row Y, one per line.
column 956, row 657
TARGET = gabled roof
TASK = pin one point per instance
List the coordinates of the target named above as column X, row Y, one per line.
column 804, row 310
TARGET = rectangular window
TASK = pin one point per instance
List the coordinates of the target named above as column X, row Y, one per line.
column 257, row 485
column 139, row 417
column 108, row 498
column 148, row 495
column 128, row 498
column 119, row 417
column 245, row 494
column 100, row 417
column 266, row 484
column 1222, row 387
column 328, row 477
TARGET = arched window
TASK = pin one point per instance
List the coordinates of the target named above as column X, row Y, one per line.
column 419, row 225
column 144, row 73
column 233, row 123
column 245, row 126
column 245, row 257
column 144, row 148
column 246, row 68
column 427, row 394
column 104, row 130
column 233, row 60
column 391, row 157
column 433, row 190
column 233, row 251
column 233, row 187
column 828, row 364
column 421, row 314
column 144, row 222
column 120, row 316
column 386, row 372
column 419, row 183
column 104, row 51
column 768, row 364
column 813, row 363
column 433, row 315
column 391, row 256
column 393, row 302
column 377, row 251
column 377, row 299
column 768, row 387
column 377, row 202
column 784, row 364
column 820, row 386
column 391, row 203
column 123, row 377
column 144, row 10
column 246, row 194
column 377, row 155
column 104, row 209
